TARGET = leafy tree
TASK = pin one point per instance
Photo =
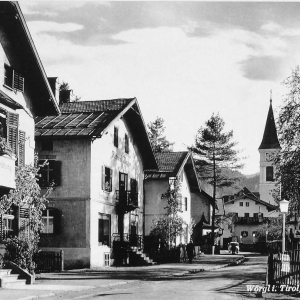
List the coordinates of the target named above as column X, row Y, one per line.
column 274, row 228
column 170, row 226
column 27, row 192
column 157, row 138
column 65, row 92
column 287, row 159
column 214, row 155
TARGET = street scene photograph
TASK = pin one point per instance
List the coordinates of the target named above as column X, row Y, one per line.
column 149, row 150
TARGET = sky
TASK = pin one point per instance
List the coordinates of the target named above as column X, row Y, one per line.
column 183, row 61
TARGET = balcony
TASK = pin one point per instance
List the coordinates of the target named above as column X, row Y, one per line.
column 128, row 201
column 251, row 220
column 7, row 172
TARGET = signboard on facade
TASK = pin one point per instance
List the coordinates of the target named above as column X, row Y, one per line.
column 244, row 234
column 7, row 172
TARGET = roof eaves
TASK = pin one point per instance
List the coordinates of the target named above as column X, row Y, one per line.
column 119, row 115
column 35, row 53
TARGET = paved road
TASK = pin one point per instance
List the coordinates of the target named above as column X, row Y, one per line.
column 221, row 284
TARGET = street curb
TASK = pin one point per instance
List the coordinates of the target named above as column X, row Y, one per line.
column 63, row 292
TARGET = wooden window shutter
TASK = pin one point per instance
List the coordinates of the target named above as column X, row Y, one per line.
column 57, row 173
column 24, row 222
column 18, row 81
column 1, row 228
column 12, row 131
column 100, row 230
column 110, row 180
column 103, row 178
column 22, row 136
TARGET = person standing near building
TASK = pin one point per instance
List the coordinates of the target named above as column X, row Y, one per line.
column 190, row 249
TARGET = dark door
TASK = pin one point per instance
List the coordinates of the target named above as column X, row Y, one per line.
column 133, row 234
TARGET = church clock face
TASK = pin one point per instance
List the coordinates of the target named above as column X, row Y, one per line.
column 269, row 156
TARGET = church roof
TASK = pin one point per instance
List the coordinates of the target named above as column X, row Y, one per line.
column 270, row 139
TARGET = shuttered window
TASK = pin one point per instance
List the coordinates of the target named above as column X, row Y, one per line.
column 116, row 137
column 13, row 79
column 18, row 82
column 12, row 131
column 126, row 143
column 24, row 225
column 106, row 179
column 21, row 148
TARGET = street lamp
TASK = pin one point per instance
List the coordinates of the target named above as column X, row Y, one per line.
column 284, row 206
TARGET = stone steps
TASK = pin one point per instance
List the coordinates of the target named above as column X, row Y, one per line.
column 10, row 280
column 138, row 257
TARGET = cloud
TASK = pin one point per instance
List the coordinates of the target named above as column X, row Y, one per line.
column 37, row 27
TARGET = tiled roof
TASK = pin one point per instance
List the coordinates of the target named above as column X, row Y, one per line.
column 95, row 106
column 170, row 161
column 86, row 118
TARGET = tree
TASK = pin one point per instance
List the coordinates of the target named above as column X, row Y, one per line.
column 274, row 228
column 170, row 226
column 158, row 141
column 214, row 154
column 27, row 192
column 287, row 159
column 65, row 93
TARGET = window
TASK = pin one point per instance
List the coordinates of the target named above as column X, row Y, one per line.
column 126, row 143
column 8, row 226
column 116, row 134
column 246, row 215
column 48, row 221
column 13, row 79
column 134, row 190
column 3, row 128
column 241, row 203
column 47, row 145
column 185, row 203
column 247, row 204
column 255, row 215
column 106, row 179
column 104, row 229
column 269, row 174
column 50, row 171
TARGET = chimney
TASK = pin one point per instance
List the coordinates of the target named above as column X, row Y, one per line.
column 53, row 82
column 64, row 96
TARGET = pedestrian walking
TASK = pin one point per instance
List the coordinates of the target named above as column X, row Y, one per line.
column 182, row 253
column 190, row 249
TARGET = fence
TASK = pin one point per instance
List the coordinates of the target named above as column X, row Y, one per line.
column 284, row 269
column 50, row 261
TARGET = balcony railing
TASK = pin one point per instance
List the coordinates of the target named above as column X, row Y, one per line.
column 251, row 220
column 128, row 200
column 133, row 240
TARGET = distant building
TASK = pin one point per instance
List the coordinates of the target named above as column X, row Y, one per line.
column 195, row 203
column 251, row 208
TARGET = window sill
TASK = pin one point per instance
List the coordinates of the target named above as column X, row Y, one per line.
column 8, row 87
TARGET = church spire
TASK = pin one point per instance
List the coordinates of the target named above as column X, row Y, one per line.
column 270, row 139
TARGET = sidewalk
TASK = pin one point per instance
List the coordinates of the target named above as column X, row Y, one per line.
column 50, row 284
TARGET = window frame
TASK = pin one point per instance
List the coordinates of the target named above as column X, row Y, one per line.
column 48, row 217
column 126, row 143
column 241, row 203
column 55, row 168
column 101, row 237
column 247, row 204
column 105, row 175
column 116, row 136
column 13, row 79
column 270, row 173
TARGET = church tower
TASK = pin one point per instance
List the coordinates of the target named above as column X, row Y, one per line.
column 267, row 148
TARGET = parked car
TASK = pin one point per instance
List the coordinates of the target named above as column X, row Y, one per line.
column 234, row 247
